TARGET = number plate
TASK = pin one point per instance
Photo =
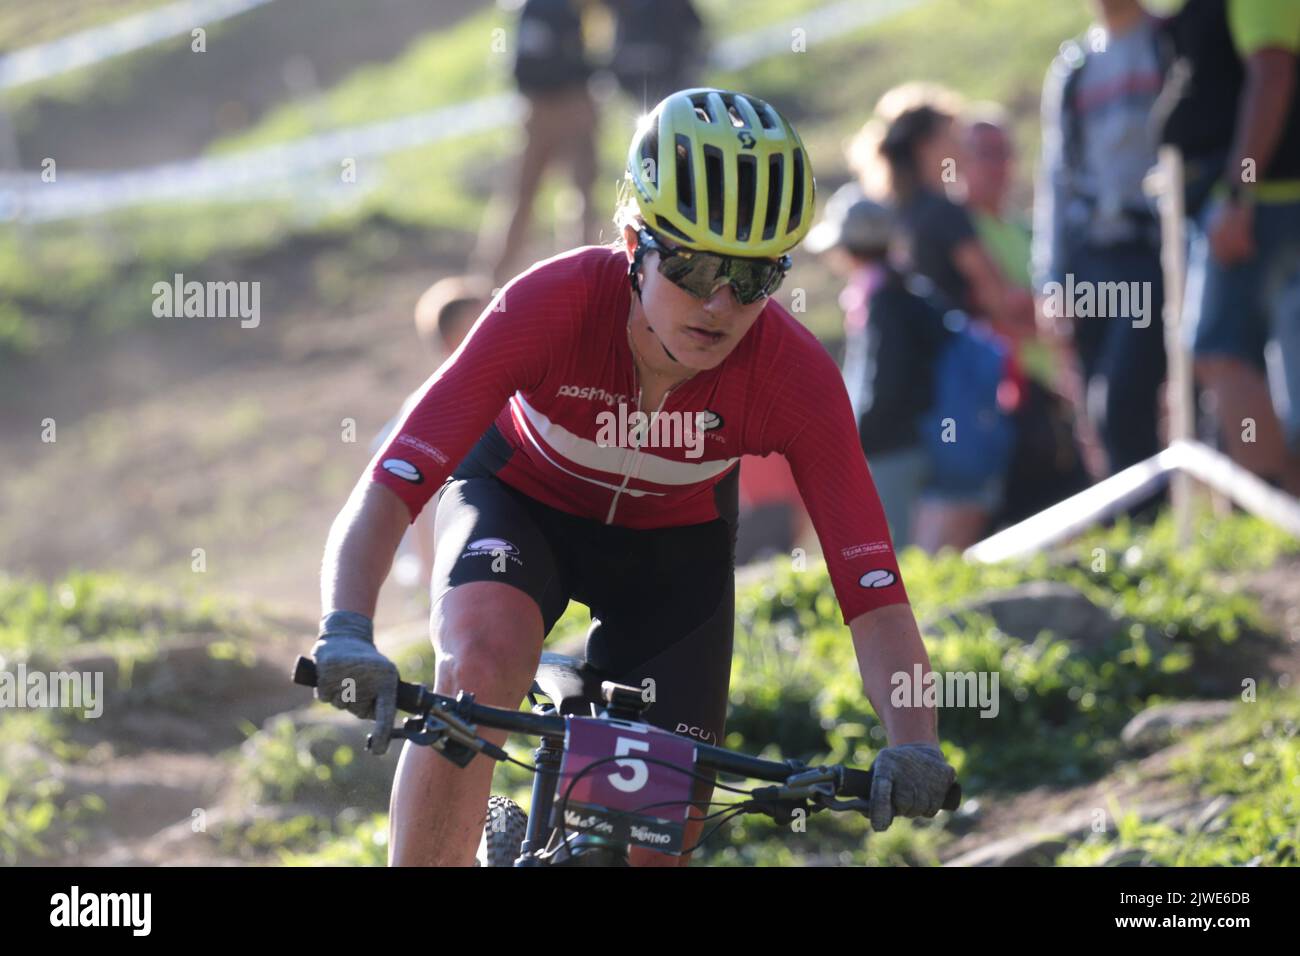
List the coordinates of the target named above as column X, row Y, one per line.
column 627, row 798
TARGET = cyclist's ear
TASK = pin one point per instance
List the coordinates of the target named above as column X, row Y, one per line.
column 630, row 240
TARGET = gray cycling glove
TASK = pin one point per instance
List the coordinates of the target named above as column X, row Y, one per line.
column 353, row 675
column 909, row 780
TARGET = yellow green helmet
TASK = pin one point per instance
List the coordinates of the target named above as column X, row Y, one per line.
column 722, row 172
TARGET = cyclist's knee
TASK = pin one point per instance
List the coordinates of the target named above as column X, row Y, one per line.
column 487, row 637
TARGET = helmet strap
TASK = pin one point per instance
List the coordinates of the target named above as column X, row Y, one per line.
column 634, row 276
column 634, row 269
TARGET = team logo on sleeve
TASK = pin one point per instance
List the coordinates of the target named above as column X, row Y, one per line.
column 402, row 469
column 879, row 578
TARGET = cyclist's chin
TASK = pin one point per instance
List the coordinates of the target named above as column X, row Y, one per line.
column 701, row 352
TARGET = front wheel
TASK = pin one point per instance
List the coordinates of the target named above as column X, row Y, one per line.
column 503, row 833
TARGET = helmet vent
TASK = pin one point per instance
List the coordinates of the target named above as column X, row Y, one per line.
column 747, row 170
column 715, row 180
column 702, row 107
column 685, row 179
column 775, row 169
column 766, row 115
column 666, row 226
column 796, row 198
column 736, row 119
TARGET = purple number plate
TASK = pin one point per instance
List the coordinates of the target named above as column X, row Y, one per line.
column 628, row 798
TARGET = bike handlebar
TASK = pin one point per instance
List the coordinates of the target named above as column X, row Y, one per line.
column 417, row 699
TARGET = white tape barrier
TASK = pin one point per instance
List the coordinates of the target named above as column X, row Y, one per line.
column 1106, row 499
column 255, row 173
column 93, row 46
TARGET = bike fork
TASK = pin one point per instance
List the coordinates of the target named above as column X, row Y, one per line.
column 547, row 760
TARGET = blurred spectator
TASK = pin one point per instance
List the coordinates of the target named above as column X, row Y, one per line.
column 551, row 70
column 1233, row 110
column 447, row 309
column 658, row 47
column 906, row 156
column 1047, row 462
column 894, row 337
column 1093, row 225
column 444, row 315
column 985, row 174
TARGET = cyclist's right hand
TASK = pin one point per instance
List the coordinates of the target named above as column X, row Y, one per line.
column 352, row 674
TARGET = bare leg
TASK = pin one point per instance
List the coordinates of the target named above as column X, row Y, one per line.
column 940, row 524
column 539, row 150
column 584, row 166
column 488, row 640
column 1240, row 392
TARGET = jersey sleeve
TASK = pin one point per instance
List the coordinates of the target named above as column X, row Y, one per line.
column 830, row 469
column 508, row 349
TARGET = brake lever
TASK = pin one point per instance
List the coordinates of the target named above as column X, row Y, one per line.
column 446, row 734
column 416, row 730
column 780, row 802
column 839, row 806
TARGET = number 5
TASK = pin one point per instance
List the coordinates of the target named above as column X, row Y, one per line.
column 639, row 776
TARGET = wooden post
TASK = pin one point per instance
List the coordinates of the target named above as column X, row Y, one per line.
column 1178, row 385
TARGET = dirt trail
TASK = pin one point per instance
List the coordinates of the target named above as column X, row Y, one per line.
column 198, row 434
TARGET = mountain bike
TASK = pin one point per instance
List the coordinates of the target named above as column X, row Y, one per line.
column 604, row 779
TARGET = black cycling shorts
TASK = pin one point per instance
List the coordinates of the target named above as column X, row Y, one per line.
column 662, row 600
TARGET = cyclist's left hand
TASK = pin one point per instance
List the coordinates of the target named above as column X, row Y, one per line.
column 909, row 780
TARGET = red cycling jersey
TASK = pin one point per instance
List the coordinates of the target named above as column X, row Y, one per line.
column 549, row 363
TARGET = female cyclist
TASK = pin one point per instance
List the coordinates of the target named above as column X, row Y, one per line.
column 547, row 488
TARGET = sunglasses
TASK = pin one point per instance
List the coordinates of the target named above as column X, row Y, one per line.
column 699, row 272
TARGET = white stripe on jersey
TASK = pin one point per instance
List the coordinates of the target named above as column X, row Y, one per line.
column 612, row 460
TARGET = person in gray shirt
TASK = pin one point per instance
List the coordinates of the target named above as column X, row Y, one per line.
column 1096, row 249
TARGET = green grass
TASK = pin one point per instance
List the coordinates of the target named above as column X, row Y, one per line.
column 83, row 608
column 363, row 842
column 42, row 624
column 439, row 69
column 1254, row 760
column 38, row 818
column 796, row 691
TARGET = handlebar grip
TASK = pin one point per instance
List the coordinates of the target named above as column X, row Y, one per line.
column 304, row 672
column 857, row 783
column 952, row 799
column 410, row 697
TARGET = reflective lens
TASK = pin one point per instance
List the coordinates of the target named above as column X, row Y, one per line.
column 699, row 272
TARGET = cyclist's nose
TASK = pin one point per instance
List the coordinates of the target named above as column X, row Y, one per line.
column 721, row 300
